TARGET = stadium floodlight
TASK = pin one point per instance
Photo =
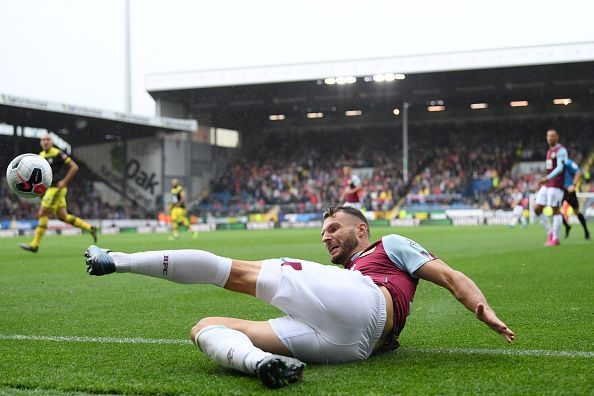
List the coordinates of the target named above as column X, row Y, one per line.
column 315, row 115
column 276, row 117
column 389, row 77
column 340, row 80
column 562, row 101
column 353, row 113
column 518, row 103
column 345, row 80
column 477, row 106
column 396, row 111
column 436, row 108
column 368, row 78
column 379, row 78
column 386, row 77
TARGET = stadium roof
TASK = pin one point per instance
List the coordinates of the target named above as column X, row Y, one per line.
column 286, row 105
column 81, row 125
column 420, row 63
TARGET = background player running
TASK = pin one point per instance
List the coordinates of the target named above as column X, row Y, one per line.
column 54, row 199
column 178, row 209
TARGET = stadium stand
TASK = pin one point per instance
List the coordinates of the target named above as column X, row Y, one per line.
column 454, row 165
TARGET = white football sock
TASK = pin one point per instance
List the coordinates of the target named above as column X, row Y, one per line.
column 230, row 348
column 514, row 222
column 181, row 266
column 544, row 220
column 557, row 223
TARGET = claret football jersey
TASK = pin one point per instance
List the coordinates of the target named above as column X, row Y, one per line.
column 391, row 262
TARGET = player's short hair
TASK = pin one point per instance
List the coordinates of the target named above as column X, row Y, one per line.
column 333, row 209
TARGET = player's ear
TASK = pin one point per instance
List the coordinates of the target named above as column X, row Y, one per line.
column 361, row 230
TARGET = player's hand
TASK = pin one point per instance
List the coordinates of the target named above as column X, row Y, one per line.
column 571, row 188
column 543, row 180
column 61, row 184
column 488, row 316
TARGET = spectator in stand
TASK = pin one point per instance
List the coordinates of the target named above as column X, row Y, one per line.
column 352, row 193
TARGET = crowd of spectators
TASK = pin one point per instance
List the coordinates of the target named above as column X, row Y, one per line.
column 468, row 164
column 473, row 164
column 302, row 172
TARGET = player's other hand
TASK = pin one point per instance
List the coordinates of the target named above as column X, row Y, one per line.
column 488, row 316
column 571, row 188
column 61, row 184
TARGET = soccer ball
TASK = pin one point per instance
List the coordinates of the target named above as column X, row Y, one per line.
column 29, row 175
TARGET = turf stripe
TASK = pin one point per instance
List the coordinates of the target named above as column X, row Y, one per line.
column 169, row 341
column 164, row 341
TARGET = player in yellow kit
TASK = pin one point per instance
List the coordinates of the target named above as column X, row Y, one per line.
column 54, row 199
column 178, row 209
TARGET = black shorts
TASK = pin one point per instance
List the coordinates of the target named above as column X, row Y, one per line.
column 571, row 199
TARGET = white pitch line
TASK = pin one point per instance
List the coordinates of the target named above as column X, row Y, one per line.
column 506, row 352
column 169, row 341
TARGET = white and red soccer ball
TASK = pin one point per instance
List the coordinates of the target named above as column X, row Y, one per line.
column 29, row 175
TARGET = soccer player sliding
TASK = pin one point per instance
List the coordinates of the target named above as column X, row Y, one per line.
column 333, row 314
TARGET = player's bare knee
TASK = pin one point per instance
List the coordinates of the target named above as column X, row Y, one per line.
column 202, row 323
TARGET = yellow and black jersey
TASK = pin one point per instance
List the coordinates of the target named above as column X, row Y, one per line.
column 177, row 194
column 58, row 161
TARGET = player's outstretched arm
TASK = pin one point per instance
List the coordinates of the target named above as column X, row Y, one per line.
column 465, row 291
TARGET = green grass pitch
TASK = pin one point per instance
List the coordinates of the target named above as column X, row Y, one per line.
column 545, row 295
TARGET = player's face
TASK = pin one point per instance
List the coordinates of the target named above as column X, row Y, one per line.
column 339, row 236
column 552, row 137
column 46, row 142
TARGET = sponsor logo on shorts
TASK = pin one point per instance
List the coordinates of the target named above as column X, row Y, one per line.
column 295, row 264
column 165, row 264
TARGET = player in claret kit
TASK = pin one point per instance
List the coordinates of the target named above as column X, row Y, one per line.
column 54, row 199
column 352, row 192
column 551, row 190
column 333, row 314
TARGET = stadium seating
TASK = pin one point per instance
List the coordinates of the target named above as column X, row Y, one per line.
column 450, row 165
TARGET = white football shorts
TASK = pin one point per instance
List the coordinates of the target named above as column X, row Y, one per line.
column 549, row 196
column 333, row 315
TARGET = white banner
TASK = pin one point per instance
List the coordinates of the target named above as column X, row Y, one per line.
column 405, row 222
column 142, row 169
